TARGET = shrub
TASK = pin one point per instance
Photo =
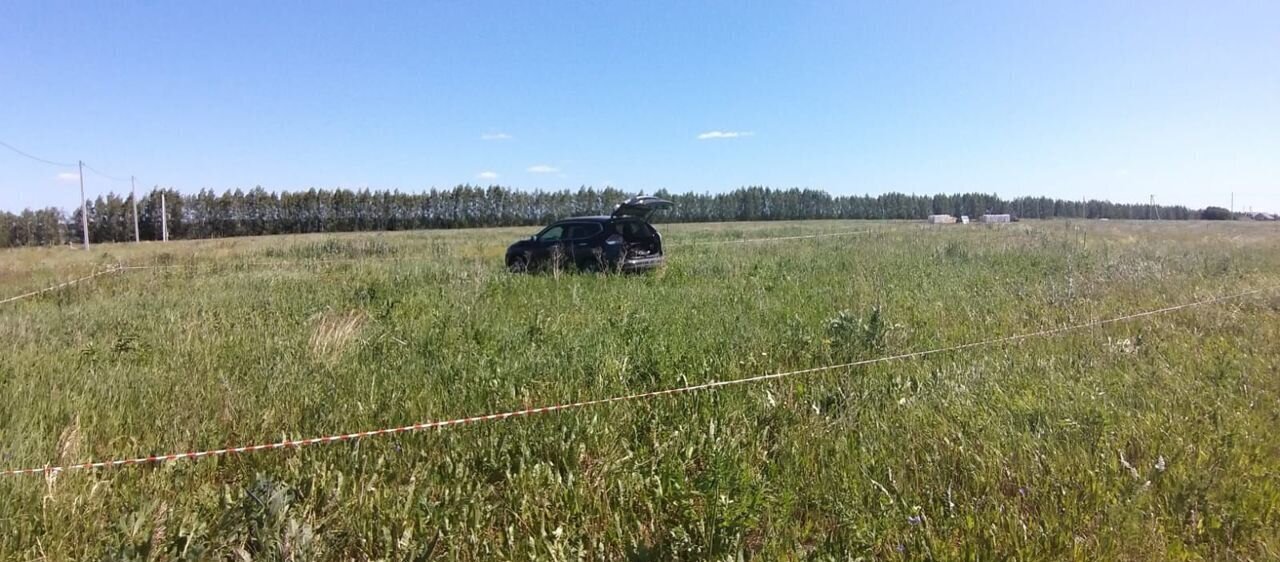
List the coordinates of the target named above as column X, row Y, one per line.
column 1215, row 214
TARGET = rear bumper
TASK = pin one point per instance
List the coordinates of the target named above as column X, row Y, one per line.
column 641, row 264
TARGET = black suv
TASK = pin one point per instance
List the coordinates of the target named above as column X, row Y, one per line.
column 623, row 241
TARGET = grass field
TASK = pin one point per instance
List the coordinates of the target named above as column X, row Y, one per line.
column 1152, row 439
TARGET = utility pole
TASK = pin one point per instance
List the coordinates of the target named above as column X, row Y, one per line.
column 164, row 220
column 84, row 208
column 1233, row 203
column 133, row 195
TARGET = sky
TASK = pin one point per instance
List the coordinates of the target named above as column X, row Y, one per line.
column 1106, row 100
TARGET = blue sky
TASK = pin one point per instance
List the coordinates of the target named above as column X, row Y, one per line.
column 1075, row 99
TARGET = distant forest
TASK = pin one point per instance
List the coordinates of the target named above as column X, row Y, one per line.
column 247, row 213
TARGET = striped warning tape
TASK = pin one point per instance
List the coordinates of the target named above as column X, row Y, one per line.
column 294, row 443
column 112, row 269
column 775, row 239
column 266, row 263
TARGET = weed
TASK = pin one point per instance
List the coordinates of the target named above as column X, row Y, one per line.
column 1027, row 450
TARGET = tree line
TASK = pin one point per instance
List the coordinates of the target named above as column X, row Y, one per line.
column 207, row 214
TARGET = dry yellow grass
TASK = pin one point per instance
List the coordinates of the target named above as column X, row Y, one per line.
column 332, row 332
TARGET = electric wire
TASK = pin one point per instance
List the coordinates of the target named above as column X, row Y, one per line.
column 36, row 158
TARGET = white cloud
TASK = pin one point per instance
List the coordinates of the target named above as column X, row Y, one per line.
column 68, row 176
column 724, row 135
column 543, row 169
column 487, row 175
column 496, row 137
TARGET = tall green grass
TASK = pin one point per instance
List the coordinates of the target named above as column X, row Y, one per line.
column 1145, row 440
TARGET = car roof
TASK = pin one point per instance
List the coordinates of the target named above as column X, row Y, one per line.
column 594, row 218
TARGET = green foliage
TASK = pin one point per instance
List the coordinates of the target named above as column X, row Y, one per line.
column 1145, row 440
column 256, row 212
column 1215, row 214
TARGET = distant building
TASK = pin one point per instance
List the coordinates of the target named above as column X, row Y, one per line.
column 995, row 218
column 941, row 219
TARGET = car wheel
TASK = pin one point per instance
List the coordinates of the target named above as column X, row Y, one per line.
column 518, row 264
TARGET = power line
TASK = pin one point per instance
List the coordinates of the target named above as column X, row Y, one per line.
column 100, row 173
column 64, row 164
column 36, row 158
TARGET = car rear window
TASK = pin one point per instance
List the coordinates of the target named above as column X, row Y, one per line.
column 633, row 229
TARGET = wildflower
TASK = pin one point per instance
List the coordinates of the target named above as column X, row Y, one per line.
column 1160, row 463
column 1132, row 471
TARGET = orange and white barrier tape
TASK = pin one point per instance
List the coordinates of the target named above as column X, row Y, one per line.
column 112, row 269
column 775, row 239
column 293, row 443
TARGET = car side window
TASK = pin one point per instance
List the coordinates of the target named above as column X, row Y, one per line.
column 552, row 234
column 580, row 231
